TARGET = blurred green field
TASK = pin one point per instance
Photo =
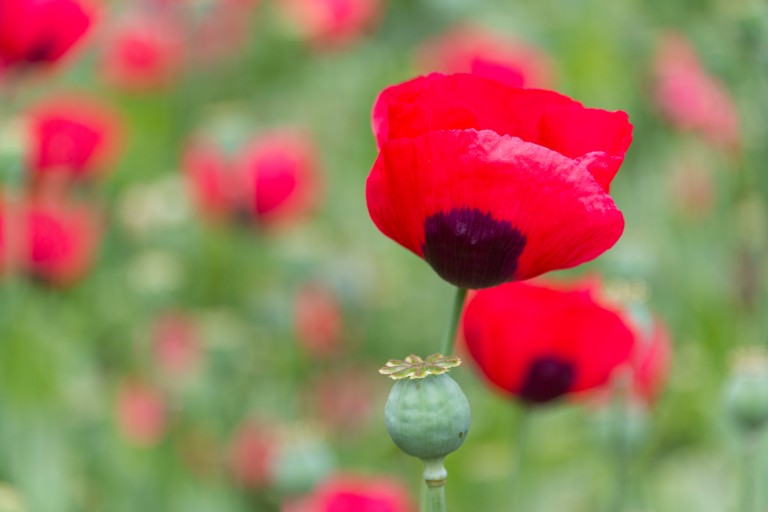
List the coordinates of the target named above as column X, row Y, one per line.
column 65, row 353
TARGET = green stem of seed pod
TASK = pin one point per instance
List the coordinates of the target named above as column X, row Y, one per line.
column 437, row 499
column 434, row 477
column 453, row 326
column 518, row 457
column 424, row 498
column 750, row 475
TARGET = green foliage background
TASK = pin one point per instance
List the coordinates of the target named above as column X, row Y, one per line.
column 64, row 352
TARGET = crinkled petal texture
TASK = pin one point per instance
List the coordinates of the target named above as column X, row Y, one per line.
column 483, row 208
column 539, row 343
column 545, row 118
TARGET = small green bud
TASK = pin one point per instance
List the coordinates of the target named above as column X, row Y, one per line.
column 427, row 414
column 746, row 394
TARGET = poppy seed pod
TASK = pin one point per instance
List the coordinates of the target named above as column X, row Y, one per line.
column 427, row 415
column 746, row 393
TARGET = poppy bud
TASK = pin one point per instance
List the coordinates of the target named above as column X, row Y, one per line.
column 746, row 394
column 301, row 461
column 427, row 415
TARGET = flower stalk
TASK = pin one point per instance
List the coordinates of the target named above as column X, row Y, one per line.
column 435, row 476
column 519, row 456
column 453, row 325
column 750, row 475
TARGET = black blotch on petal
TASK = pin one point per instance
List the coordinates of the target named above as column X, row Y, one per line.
column 42, row 51
column 470, row 249
column 547, row 378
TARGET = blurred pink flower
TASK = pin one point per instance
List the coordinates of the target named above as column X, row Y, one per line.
column 141, row 413
column 690, row 97
column 318, row 320
column 143, row 52
column 34, row 32
column 468, row 49
column 342, row 399
column 71, row 138
column 221, row 31
column 691, row 183
column 274, row 179
column 251, row 454
column 175, row 343
column 332, row 22
column 51, row 240
column 352, row 493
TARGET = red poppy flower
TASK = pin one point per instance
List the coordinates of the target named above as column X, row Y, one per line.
column 539, row 343
column 274, row 179
column 318, row 320
column 690, row 97
column 141, row 413
column 480, row 52
column 40, row 31
column 282, row 173
column 143, row 53
column 71, row 139
column 490, row 183
column 251, row 455
column 348, row 493
column 51, row 241
column 331, row 22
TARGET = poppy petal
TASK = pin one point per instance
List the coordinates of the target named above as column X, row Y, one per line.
column 512, row 209
column 546, row 118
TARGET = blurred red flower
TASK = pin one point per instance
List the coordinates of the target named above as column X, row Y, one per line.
column 175, row 343
column 251, row 454
column 691, row 184
column 40, row 31
column 479, row 51
column 71, row 139
column 143, row 52
column 141, row 413
column 690, row 97
column 650, row 360
column 273, row 179
column 539, row 342
column 318, row 320
column 221, row 30
column 342, row 400
column 490, row 183
column 52, row 241
column 332, row 22
column 352, row 493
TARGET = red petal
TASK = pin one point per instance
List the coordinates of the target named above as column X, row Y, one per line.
column 508, row 327
column 461, row 101
column 564, row 214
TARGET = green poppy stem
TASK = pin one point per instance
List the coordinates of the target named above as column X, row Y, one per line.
column 424, row 498
column 519, row 456
column 750, row 474
column 434, row 478
column 622, row 451
column 453, row 326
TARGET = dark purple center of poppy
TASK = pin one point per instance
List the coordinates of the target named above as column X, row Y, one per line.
column 42, row 51
column 547, row 378
column 471, row 249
